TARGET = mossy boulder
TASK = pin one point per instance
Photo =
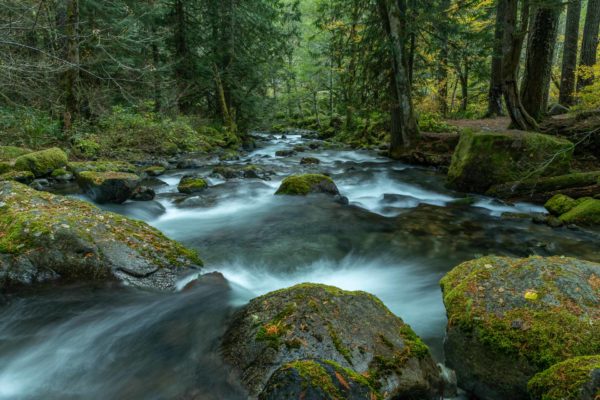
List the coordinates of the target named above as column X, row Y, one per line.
column 585, row 213
column 191, row 184
column 317, row 380
column 575, row 379
column 352, row 329
column 302, row 185
column 484, row 159
column 560, row 204
column 42, row 163
column 154, row 170
column 49, row 238
column 249, row 171
column 310, row 161
column 509, row 319
column 108, row 187
column 101, row 166
column 18, row 176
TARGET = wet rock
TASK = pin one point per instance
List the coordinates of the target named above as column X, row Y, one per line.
column 211, row 280
column 512, row 318
column 310, row 161
column 314, row 145
column 62, row 175
column 143, row 193
column 42, row 163
column 320, row 322
column 249, row 171
column 285, row 153
column 190, row 184
column 575, row 379
column 343, row 200
column 59, row 239
column 299, row 149
column 155, row 170
column 484, row 159
column 302, row 185
column 40, row 184
column 101, row 166
column 190, row 164
column 108, row 187
column 316, row 380
column 449, row 379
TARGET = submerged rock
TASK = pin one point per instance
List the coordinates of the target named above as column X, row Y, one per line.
column 316, row 322
column 109, row 187
column 509, row 319
column 249, row 171
column 155, row 170
column 317, row 380
column 191, row 184
column 484, row 159
column 143, row 193
column 575, row 379
column 42, row 163
column 302, row 185
column 310, row 161
column 49, row 238
column 285, row 153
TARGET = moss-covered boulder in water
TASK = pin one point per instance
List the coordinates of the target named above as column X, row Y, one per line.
column 585, row 213
column 108, row 187
column 352, row 329
column 509, row 319
column 317, row 380
column 191, row 184
column 483, row 159
column 302, row 185
column 42, row 163
column 575, row 379
column 560, row 204
column 101, row 166
column 49, row 238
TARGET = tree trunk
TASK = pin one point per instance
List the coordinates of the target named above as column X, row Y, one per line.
column 540, row 54
column 393, row 13
column 495, row 107
column 589, row 46
column 569, row 64
column 464, row 85
column 182, row 66
column 228, row 119
column 514, row 33
column 442, row 72
column 69, row 23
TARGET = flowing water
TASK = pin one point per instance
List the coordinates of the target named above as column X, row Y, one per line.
column 401, row 232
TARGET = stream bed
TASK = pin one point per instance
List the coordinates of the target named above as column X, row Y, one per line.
column 400, row 234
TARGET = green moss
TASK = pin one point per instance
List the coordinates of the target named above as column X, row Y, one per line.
column 552, row 326
column 28, row 217
column 42, row 163
column 301, row 185
column 98, row 178
column 155, row 170
column 564, row 381
column 416, row 346
column 585, row 213
column 57, row 173
column 8, row 153
column 560, row 204
column 525, row 187
column 5, row 167
column 316, row 376
column 339, row 345
column 191, row 184
column 101, row 166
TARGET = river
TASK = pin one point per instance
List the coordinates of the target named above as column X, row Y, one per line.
column 401, row 232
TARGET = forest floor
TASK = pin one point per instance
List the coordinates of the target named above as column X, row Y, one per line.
column 486, row 124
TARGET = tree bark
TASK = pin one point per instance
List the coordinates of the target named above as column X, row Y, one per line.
column 495, row 107
column 393, row 13
column 589, row 46
column 569, row 64
column 514, row 33
column 442, row 72
column 69, row 22
column 540, row 54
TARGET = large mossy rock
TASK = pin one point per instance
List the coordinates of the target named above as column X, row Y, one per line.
column 191, row 184
column 302, row 185
column 509, row 319
column 540, row 190
column 317, row 380
column 484, row 159
column 42, row 163
column 109, row 187
column 8, row 154
column 47, row 238
column 586, row 212
column 352, row 329
column 575, row 379
column 101, row 166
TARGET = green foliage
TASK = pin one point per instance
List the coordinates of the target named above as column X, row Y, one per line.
column 28, row 127
column 433, row 122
